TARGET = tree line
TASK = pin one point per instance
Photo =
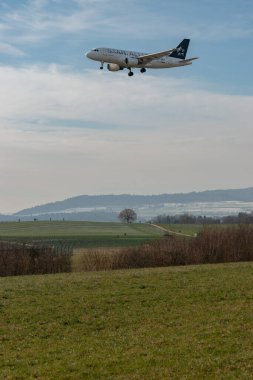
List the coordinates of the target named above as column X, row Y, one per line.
column 240, row 218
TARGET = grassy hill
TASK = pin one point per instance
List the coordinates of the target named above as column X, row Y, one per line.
column 171, row 323
column 80, row 234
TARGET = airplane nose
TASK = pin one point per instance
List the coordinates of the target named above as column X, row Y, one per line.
column 87, row 54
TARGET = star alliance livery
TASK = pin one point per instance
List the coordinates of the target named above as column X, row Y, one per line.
column 118, row 59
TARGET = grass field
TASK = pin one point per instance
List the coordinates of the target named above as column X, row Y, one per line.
column 188, row 229
column 91, row 234
column 80, row 234
column 171, row 323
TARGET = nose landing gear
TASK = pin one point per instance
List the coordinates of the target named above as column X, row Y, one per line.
column 102, row 66
column 130, row 74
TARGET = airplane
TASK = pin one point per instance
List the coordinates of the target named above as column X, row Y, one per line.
column 118, row 59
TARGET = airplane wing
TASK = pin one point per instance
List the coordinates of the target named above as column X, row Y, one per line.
column 149, row 57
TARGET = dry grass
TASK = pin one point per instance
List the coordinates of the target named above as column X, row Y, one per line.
column 94, row 259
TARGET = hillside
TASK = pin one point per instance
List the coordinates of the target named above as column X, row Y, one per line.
column 126, row 200
column 170, row 323
column 105, row 208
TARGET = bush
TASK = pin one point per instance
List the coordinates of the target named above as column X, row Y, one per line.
column 21, row 258
column 218, row 245
column 212, row 245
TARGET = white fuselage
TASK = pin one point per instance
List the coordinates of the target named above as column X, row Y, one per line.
column 127, row 58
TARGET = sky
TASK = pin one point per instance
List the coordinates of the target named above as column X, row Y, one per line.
column 68, row 128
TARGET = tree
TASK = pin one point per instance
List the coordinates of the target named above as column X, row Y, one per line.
column 127, row 215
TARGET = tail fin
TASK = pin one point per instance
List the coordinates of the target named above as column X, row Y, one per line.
column 181, row 49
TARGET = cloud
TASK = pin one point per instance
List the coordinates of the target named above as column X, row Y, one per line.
column 65, row 133
column 38, row 20
column 56, row 93
column 10, row 50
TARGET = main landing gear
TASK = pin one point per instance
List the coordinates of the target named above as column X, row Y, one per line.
column 130, row 74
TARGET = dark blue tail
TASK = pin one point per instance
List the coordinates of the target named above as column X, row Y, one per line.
column 181, row 49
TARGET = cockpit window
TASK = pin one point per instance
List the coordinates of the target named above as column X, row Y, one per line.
column 95, row 50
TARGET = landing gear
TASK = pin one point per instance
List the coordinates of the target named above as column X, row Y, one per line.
column 130, row 74
column 102, row 66
column 143, row 70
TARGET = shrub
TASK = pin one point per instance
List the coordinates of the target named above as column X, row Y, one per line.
column 212, row 245
column 21, row 258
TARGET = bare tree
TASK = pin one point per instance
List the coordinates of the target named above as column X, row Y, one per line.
column 127, row 215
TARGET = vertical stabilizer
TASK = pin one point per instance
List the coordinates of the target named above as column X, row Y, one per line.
column 181, row 50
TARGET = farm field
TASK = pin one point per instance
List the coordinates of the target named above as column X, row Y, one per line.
column 166, row 323
column 188, row 229
column 80, row 234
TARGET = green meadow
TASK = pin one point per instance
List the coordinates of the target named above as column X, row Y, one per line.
column 187, row 229
column 172, row 323
column 80, row 234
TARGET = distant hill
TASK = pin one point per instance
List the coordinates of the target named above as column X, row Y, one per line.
column 126, row 200
column 106, row 207
column 6, row 218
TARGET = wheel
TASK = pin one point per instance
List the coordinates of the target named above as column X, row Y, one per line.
column 143, row 70
column 130, row 74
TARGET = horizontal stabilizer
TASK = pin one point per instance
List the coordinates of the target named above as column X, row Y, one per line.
column 191, row 59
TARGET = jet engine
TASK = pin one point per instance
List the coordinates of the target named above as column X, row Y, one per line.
column 113, row 67
column 131, row 62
